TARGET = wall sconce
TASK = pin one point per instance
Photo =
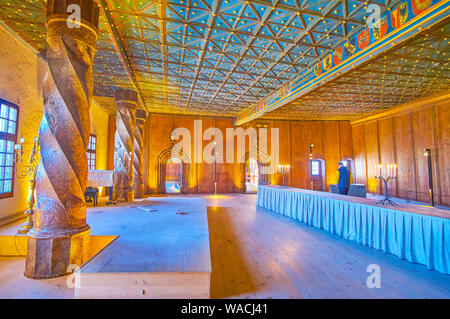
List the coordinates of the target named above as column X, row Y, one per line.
column 28, row 169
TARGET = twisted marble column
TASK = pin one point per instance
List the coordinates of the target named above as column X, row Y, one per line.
column 138, row 154
column 126, row 102
column 60, row 236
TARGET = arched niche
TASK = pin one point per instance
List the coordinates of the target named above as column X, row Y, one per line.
column 163, row 157
column 263, row 161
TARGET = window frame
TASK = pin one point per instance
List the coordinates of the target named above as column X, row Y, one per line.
column 11, row 137
column 92, row 151
column 318, row 168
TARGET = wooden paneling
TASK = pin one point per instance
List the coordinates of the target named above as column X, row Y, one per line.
column 423, row 138
column 372, row 154
column 345, row 139
column 401, row 138
column 205, row 173
column 300, row 156
column 331, row 151
column 405, row 157
column 161, row 126
column 188, row 123
column 284, row 144
column 442, row 115
column 331, row 141
column 224, row 171
column 359, row 154
column 387, row 152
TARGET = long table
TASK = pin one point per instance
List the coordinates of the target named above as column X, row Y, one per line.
column 414, row 233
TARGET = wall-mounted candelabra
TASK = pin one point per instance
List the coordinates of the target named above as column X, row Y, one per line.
column 283, row 169
column 389, row 174
column 27, row 169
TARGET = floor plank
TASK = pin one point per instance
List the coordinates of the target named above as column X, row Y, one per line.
column 259, row 254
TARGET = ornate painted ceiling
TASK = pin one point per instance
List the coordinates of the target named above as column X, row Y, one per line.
column 216, row 57
column 413, row 71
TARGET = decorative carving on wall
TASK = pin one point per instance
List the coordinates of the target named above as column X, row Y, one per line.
column 126, row 102
column 263, row 169
column 60, row 235
column 163, row 157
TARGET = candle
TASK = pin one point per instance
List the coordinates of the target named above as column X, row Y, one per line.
column 395, row 170
column 381, row 170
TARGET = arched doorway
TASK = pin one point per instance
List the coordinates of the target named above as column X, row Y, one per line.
column 177, row 161
column 251, row 175
column 251, row 166
column 174, row 172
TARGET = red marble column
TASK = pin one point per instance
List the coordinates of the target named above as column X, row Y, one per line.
column 60, row 236
column 126, row 102
column 138, row 154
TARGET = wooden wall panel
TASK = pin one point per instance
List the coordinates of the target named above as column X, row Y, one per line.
column 299, row 164
column 401, row 135
column 294, row 140
column 359, row 154
column 161, row 126
column 331, row 151
column 423, row 138
column 345, row 139
column 188, row 123
column 442, row 115
column 405, row 157
column 205, row 171
column 314, row 135
column 284, row 148
column 372, row 154
column 387, row 152
column 224, row 170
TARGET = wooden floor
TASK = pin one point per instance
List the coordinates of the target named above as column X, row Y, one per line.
column 259, row 254
column 161, row 241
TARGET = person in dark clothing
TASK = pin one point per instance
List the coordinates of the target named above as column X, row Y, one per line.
column 344, row 179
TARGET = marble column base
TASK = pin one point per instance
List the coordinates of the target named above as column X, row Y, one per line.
column 51, row 257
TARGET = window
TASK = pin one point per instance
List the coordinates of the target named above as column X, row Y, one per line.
column 8, row 137
column 315, row 168
column 92, row 147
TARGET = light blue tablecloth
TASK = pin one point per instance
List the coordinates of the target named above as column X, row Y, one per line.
column 418, row 238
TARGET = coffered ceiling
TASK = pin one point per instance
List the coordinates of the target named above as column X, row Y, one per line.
column 415, row 70
column 216, row 57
